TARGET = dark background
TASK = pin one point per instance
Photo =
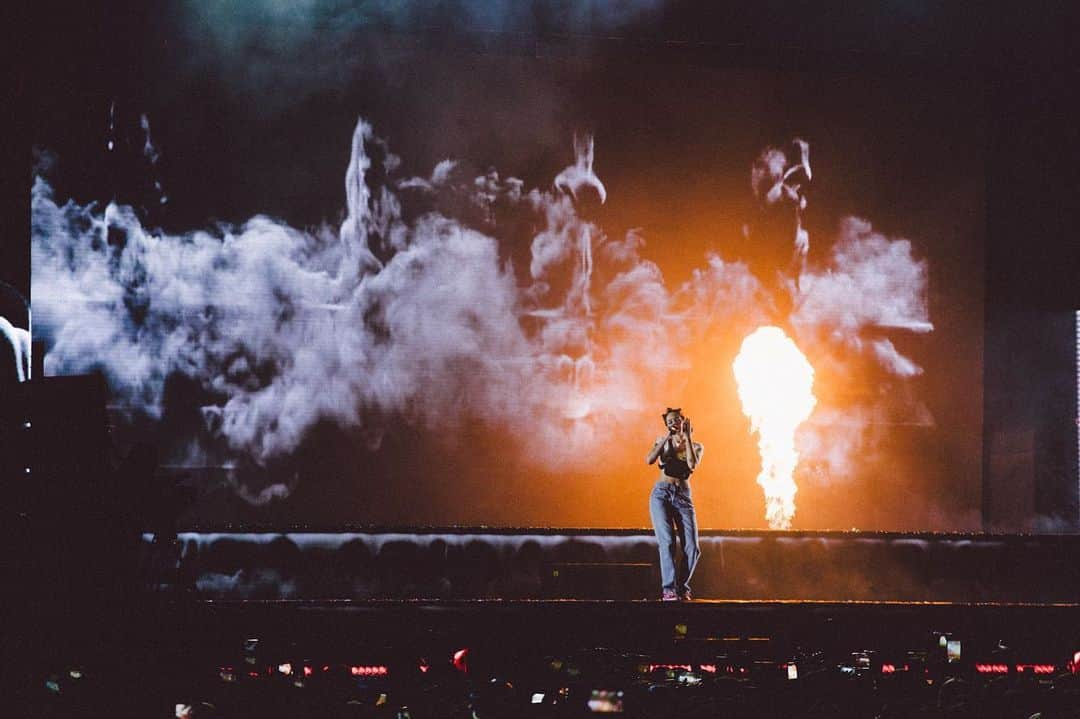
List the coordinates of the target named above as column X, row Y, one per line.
column 997, row 89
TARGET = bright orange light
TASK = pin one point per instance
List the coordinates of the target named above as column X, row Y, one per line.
column 775, row 383
column 654, row 667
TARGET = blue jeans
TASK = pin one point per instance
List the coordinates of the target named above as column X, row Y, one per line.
column 672, row 510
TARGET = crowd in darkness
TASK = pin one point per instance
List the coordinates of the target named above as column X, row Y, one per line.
column 544, row 686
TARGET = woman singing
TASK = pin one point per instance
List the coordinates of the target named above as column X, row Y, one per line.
column 670, row 504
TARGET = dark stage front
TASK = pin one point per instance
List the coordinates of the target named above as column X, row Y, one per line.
column 708, row 632
column 556, row 658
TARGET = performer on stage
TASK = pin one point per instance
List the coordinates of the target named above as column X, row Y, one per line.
column 671, row 506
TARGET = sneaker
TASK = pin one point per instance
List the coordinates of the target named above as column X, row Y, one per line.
column 686, row 596
column 669, row 595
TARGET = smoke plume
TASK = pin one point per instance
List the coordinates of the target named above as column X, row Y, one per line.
column 422, row 318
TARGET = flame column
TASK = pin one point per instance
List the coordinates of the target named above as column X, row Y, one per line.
column 775, row 383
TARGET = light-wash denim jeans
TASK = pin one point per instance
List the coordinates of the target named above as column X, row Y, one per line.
column 672, row 510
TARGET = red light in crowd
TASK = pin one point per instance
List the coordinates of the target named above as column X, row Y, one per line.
column 992, row 668
column 1036, row 668
column 424, row 666
column 308, row 671
column 1074, row 665
column 710, row 668
column 461, row 660
column 654, row 667
column 369, row 671
column 888, row 668
column 253, row 675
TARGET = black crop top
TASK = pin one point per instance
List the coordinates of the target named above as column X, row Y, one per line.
column 673, row 462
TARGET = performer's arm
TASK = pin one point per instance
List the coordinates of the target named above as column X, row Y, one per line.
column 654, row 453
column 693, row 456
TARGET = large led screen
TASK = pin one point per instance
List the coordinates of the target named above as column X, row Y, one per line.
column 343, row 277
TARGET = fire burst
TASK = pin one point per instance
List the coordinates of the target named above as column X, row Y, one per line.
column 776, row 384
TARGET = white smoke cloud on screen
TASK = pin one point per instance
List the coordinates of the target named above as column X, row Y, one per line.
column 868, row 282
column 832, row 438
column 422, row 319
